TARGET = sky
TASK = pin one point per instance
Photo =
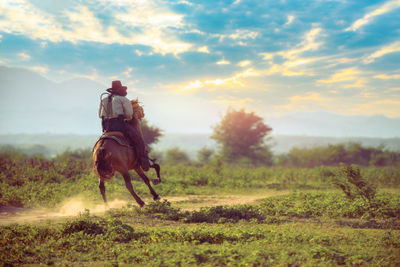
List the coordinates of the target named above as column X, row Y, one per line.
column 193, row 59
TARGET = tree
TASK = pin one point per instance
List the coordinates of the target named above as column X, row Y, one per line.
column 242, row 136
column 151, row 134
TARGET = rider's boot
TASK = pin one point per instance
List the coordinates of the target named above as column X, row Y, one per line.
column 144, row 159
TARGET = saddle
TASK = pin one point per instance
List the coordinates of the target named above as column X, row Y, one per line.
column 116, row 136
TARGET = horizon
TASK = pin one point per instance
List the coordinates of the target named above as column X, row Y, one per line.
column 188, row 62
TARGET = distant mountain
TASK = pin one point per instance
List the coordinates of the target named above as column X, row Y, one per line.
column 30, row 103
column 327, row 124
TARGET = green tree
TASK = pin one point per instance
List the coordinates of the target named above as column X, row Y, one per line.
column 151, row 134
column 242, row 137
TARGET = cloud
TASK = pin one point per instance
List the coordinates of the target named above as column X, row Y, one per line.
column 385, row 8
column 235, row 81
column 283, row 70
column 127, row 72
column 244, row 63
column 289, row 21
column 140, row 24
column 20, row 17
column 24, row 56
column 387, row 77
column 387, row 107
column 243, row 35
column 309, row 43
column 293, row 60
column 339, row 60
column 391, row 48
column 267, row 56
column 223, row 62
column 203, row 49
column 347, row 78
column 41, row 69
column 239, row 36
column 304, row 102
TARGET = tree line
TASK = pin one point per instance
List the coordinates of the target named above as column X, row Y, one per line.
column 243, row 139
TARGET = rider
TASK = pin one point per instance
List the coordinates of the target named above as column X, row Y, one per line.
column 114, row 110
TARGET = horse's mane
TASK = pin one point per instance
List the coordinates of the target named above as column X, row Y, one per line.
column 137, row 109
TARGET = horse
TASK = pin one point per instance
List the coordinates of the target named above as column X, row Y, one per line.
column 110, row 156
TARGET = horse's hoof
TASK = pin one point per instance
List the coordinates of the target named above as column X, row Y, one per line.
column 156, row 198
column 155, row 181
column 142, row 204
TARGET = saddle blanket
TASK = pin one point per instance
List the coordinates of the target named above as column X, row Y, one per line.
column 116, row 136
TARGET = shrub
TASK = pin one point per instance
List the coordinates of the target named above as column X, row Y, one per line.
column 84, row 223
column 349, row 179
column 162, row 210
column 224, row 214
column 112, row 229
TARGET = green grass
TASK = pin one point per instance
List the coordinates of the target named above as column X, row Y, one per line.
column 161, row 234
column 303, row 219
column 32, row 181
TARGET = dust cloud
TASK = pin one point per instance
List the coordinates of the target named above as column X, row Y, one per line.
column 69, row 208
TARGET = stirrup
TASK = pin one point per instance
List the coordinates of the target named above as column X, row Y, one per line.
column 144, row 162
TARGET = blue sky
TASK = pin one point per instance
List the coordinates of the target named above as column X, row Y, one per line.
column 191, row 60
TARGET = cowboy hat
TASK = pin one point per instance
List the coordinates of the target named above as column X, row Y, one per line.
column 116, row 86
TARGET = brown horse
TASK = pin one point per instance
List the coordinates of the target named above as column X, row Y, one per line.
column 110, row 156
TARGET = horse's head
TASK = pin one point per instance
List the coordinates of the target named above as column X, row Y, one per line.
column 137, row 109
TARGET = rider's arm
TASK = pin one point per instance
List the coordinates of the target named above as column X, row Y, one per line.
column 101, row 109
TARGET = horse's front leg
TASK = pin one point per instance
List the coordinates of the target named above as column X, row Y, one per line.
column 129, row 186
column 147, row 182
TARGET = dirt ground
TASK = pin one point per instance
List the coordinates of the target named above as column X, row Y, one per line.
column 74, row 206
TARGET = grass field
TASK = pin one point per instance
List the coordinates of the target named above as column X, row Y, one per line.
column 209, row 215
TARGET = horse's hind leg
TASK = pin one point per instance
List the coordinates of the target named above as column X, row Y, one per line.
column 103, row 191
column 129, row 186
column 147, row 182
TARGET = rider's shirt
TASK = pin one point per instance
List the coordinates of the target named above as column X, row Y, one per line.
column 120, row 105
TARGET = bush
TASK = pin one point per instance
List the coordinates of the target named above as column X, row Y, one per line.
column 162, row 210
column 349, row 179
column 176, row 156
column 222, row 214
column 332, row 205
column 112, row 229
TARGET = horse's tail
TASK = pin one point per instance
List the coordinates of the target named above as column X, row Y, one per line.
column 102, row 163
